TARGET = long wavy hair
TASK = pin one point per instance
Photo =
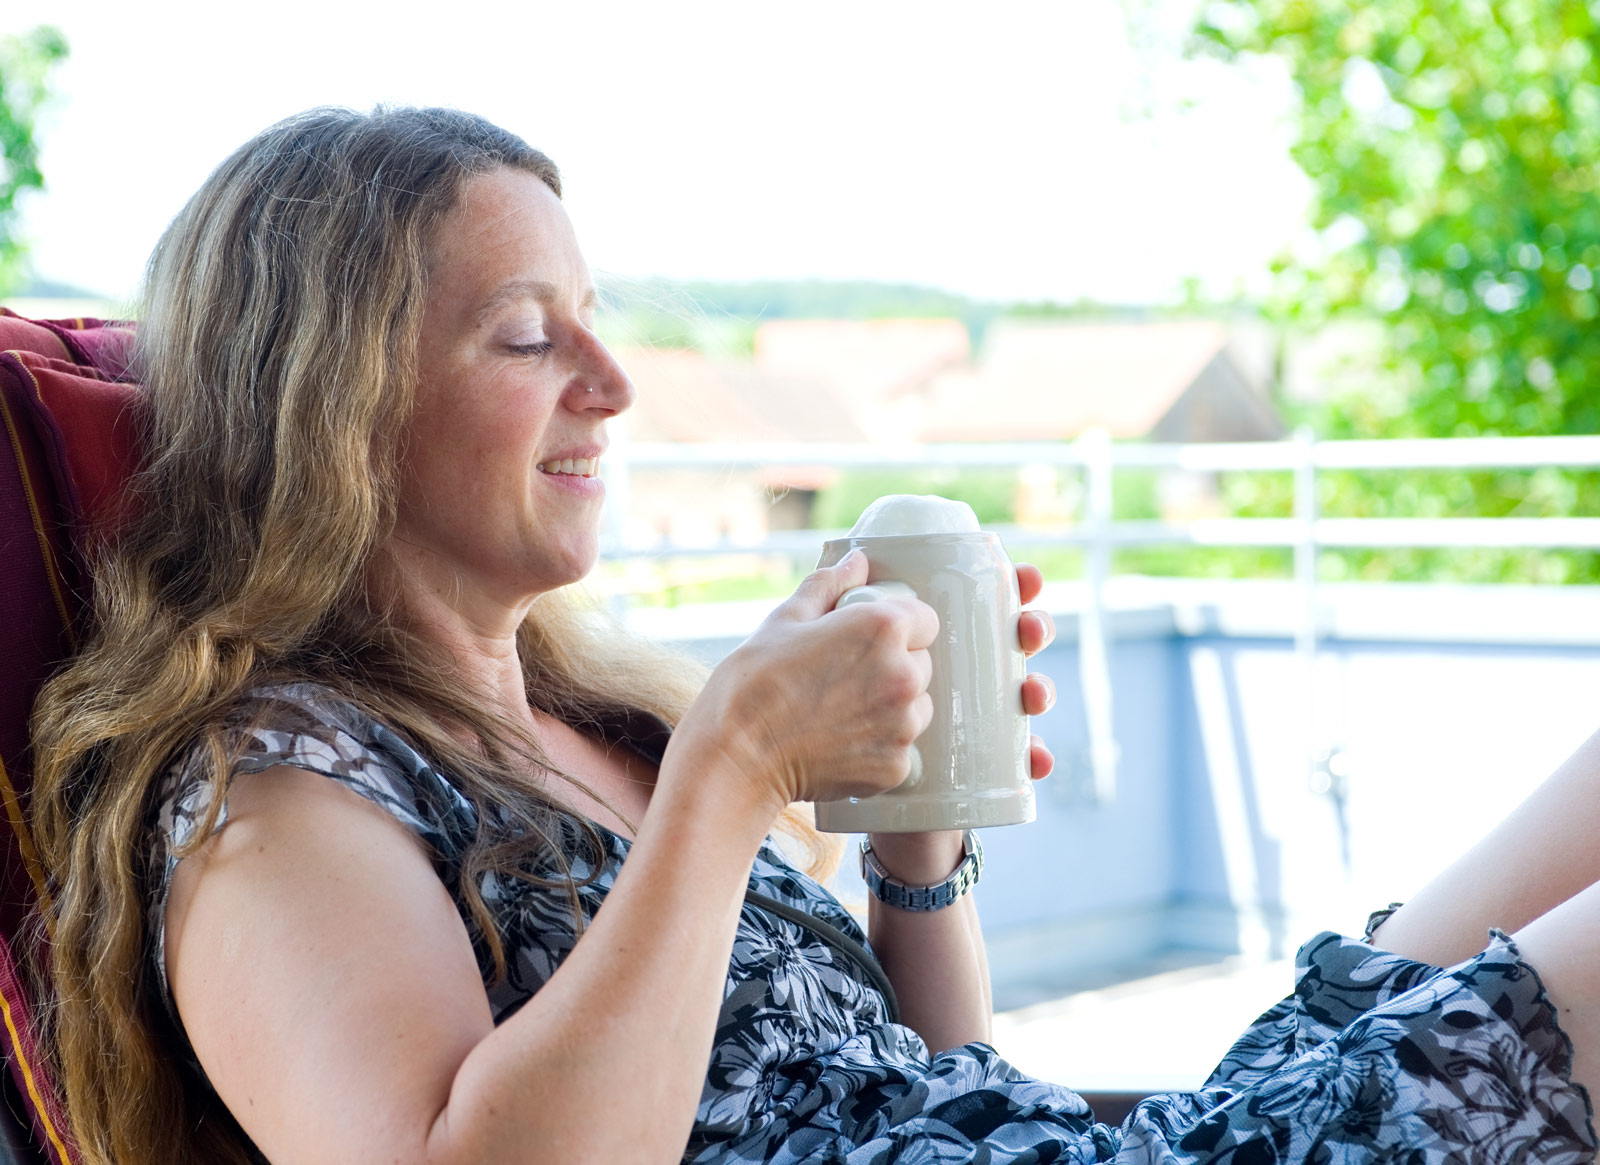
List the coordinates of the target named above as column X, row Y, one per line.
column 278, row 347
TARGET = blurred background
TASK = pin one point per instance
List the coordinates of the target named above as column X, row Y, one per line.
column 1265, row 326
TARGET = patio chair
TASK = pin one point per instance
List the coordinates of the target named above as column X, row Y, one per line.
column 66, row 449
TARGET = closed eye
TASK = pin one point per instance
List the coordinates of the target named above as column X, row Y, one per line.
column 535, row 349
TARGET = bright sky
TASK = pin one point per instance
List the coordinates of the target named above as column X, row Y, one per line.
column 1010, row 149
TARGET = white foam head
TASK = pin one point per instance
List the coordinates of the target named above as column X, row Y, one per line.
column 899, row 514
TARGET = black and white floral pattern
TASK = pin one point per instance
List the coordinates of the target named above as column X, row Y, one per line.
column 1374, row 1058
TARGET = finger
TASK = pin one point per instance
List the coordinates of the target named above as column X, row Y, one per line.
column 1038, row 694
column 1030, row 581
column 924, row 626
column 1036, row 630
column 896, row 622
column 1040, row 762
column 922, row 668
column 821, row 589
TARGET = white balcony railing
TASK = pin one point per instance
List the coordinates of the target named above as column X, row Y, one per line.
column 1096, row 458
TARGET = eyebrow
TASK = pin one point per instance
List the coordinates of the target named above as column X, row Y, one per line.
column 536, row 289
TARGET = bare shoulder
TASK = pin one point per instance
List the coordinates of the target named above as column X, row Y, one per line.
column 322, row 972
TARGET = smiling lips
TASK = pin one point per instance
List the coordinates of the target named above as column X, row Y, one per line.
column 571, row 467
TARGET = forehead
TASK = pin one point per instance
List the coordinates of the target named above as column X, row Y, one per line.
column 507, row 228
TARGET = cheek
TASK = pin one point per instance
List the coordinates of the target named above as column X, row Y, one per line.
column 467, row 434
column 474, row 435
column 437, row 460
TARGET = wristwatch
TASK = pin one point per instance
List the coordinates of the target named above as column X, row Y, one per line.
column 893, row 892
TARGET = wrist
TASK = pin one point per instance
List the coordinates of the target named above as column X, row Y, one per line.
column 926, row 896
column 708, row 787
column 724, row 748
column 919, row 859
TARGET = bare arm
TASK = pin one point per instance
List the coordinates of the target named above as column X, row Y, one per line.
column 937, row 960
column 330, row 990
column 331, row 993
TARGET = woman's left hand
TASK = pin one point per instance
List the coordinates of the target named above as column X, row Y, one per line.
column 1035, row 630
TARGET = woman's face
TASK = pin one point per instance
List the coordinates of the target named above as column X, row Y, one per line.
column 500, row 495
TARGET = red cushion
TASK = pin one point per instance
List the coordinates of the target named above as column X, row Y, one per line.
column 30, row 336
column 84, row 423
column 52, row 1136
column 67, row 445
column 104, row 345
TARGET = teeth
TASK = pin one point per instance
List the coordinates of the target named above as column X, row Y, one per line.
column 580, row 466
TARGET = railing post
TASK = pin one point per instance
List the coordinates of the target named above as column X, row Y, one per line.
column 1094, row 653
column 614, row 471
column 1305, row 573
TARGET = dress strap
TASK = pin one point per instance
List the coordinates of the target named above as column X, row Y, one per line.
column 856, row 952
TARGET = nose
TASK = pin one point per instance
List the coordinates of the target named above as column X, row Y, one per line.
column 601, row 383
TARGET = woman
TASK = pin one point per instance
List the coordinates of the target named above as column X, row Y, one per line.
column 334, row 800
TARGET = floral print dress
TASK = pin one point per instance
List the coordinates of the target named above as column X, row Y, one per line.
column 1373, row 1058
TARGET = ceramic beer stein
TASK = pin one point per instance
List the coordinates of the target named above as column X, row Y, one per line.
column 970, row 767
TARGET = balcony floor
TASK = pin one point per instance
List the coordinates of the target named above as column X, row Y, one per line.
column 1162, row 1031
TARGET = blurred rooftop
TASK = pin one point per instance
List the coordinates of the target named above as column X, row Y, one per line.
column 901, row 381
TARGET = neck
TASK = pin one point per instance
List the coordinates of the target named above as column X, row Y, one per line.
column 477, row 632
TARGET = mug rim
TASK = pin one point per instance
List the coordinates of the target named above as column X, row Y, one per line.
column 851, row 539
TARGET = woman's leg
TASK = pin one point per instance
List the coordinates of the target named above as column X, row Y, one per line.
column 1545, row 852
column 1563, row 945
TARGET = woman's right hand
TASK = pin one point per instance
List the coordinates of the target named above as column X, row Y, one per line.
column 821, row 703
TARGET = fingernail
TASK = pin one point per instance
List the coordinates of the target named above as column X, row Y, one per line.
column 849, row 559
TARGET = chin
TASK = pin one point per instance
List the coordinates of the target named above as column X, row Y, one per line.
column 553, row 576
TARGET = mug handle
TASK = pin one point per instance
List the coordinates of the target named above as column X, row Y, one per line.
column 871, row 593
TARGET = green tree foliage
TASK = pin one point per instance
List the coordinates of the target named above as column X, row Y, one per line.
column 992, row 493
column 25, row 64
column 1453, row 148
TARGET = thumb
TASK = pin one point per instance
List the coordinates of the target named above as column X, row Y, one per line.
column 821, row 589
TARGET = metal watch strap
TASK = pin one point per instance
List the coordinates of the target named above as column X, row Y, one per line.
column 893, row 892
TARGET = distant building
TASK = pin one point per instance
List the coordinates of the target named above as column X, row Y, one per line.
column 1159, row 381
column 1169, row 381
column 690, row 398
column 917, row 381
column 686, row 396
column 878, row 370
